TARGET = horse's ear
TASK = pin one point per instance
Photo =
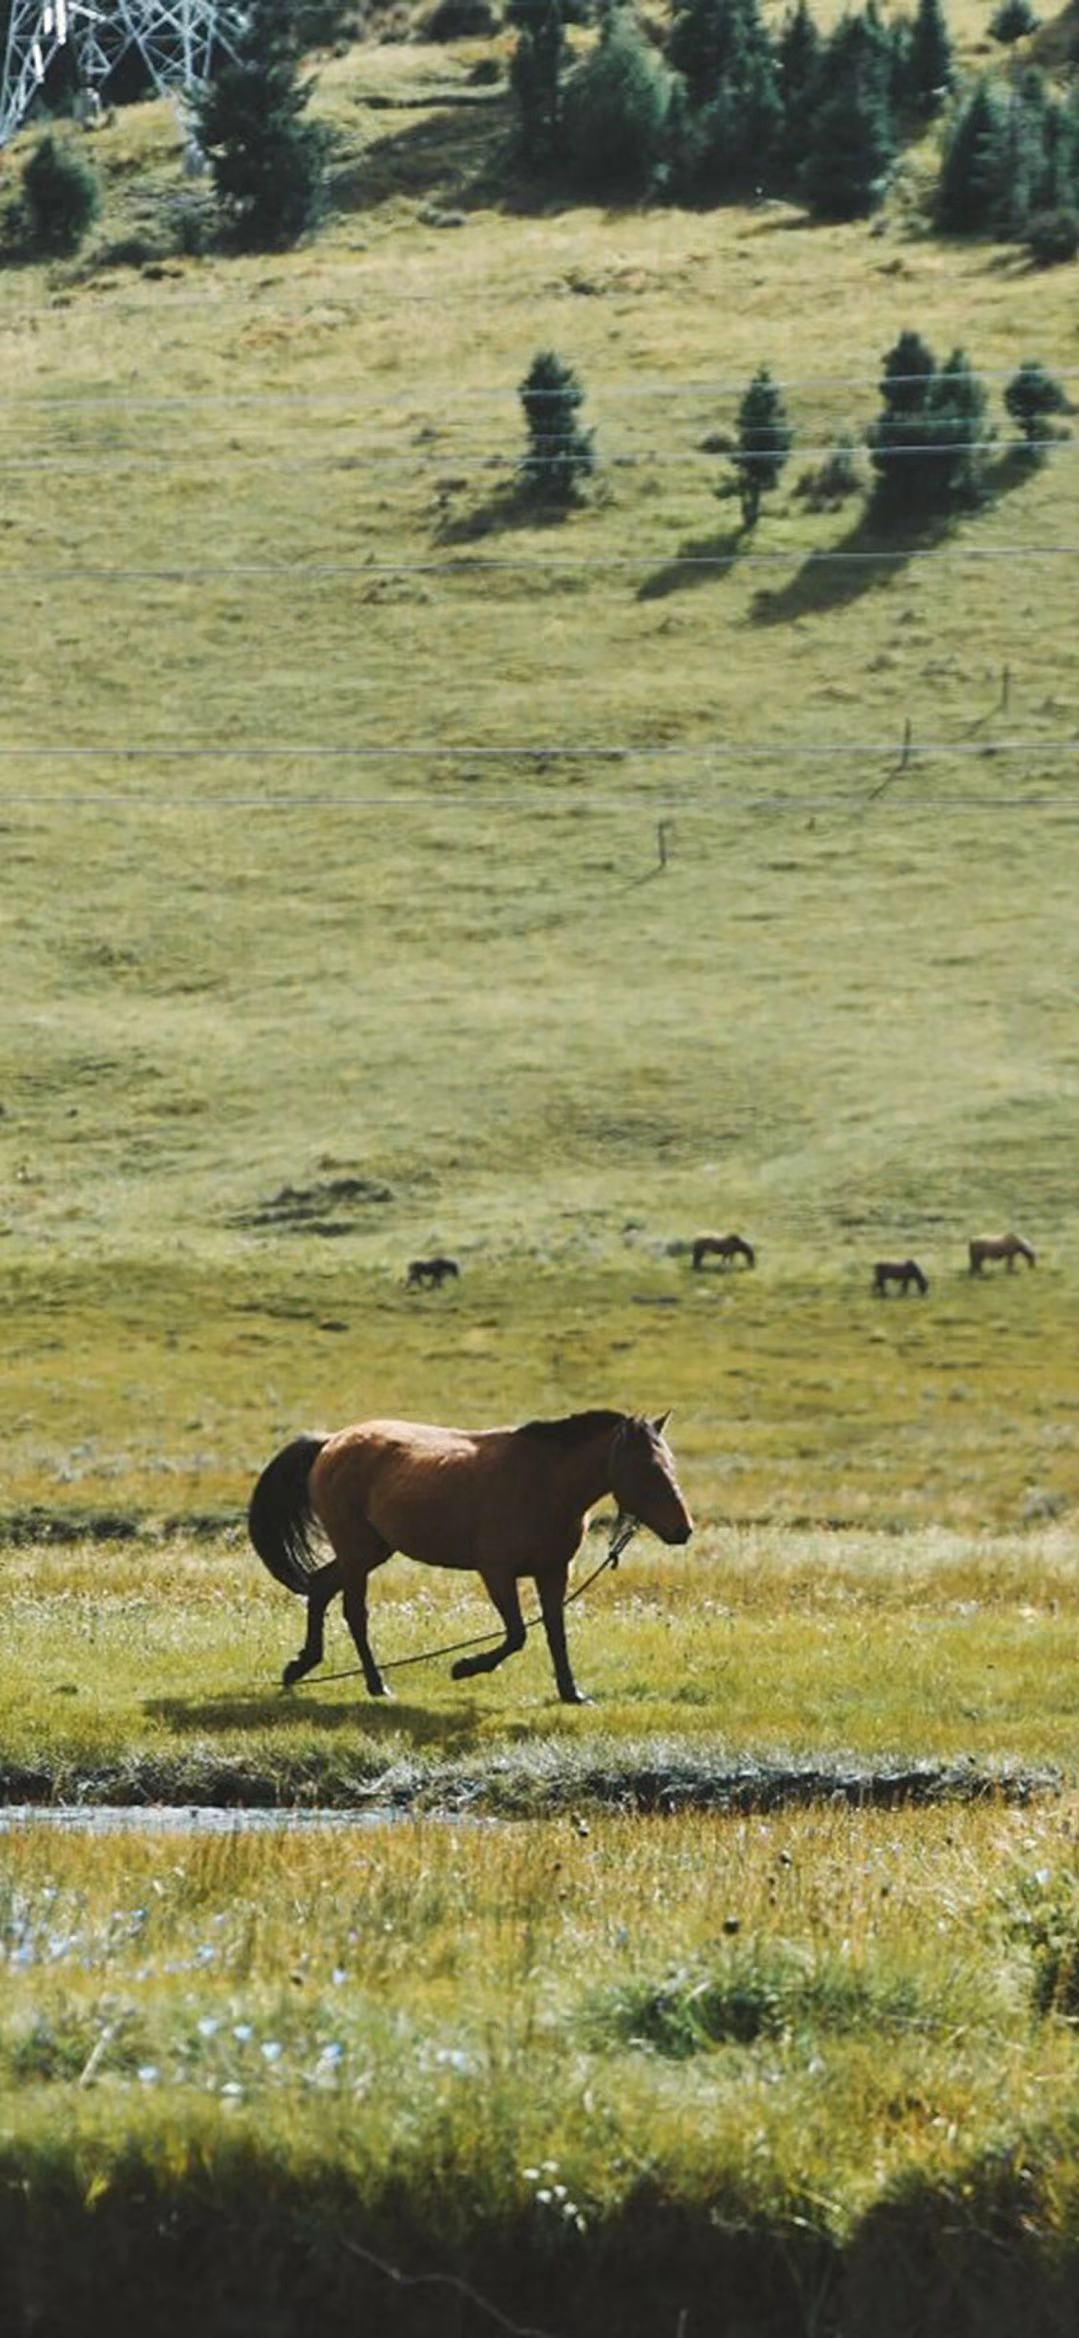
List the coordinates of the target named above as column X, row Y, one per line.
column 660, row 1422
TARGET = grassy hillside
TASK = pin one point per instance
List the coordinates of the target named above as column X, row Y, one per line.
column 334, row 922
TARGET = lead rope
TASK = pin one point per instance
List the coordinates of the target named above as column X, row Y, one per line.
column 622, row 1532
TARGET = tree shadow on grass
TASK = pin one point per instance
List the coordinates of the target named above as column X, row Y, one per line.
column 513, row 504
column 705, row 560
column 873, row 551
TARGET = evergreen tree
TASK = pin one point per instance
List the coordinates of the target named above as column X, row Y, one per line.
column 851, row 144
column 798, row 58
column 710, row 40
column 764, row 442
column 60, row 197
column 268, row 163
column 616, row 108
column 733, row 141
column 930, row 68
column 927, row 446
column 973, row 183
column 560, row 454
column 1031, row 397
column 734, row 106
column 536, row 78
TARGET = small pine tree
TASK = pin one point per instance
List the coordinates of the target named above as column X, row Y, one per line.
column 268, row 163
column 927, row 446
column 1031, row 397
column 930, row 67
column 61, row 197
column 560, row 454
column 765, row 439
column 615, row 111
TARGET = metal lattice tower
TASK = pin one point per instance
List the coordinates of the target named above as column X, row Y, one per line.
column 175, row 39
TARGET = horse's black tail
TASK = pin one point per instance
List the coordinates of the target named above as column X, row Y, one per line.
column 280, row 1519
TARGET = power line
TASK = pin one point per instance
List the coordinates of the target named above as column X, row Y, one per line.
column 181, row 572
column 445, row 804
column 447, row 457
column 634, row 387
column 545, row 751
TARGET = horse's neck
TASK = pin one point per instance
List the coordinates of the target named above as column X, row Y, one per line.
column 586, row 1474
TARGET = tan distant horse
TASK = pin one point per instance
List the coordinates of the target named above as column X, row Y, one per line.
column 725, row 1247
column 990, row 1246
column 505, row 1502
column 903, row 1271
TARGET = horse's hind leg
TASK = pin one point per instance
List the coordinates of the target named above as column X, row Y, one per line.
column 507, row 1600
column 322, row 1588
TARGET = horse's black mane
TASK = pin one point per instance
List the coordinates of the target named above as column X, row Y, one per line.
column 574, row 1429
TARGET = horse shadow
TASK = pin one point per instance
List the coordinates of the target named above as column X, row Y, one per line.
column 282, row 1711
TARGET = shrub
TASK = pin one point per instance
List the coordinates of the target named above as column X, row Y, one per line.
column 1013, row 20
column 1053, row 236
column 461, row 20
column 615, row 110
column 833, row 480
column 61, row 196
column 1031, row 397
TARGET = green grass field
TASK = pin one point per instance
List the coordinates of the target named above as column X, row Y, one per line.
column 334, row 931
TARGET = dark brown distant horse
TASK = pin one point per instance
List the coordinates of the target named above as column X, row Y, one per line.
column 1009, row 1246
column 506, row 1502
column 430, row 1271
column 903, row 1271
column 725, row 1247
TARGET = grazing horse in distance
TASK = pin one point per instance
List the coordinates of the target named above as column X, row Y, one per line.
column 430, row 1271
column 725, row 1247
column 504, row 1502
column 903, row 1271
column 991, row 1246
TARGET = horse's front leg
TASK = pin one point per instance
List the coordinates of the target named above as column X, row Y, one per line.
column 360, row 1553
column 552, row 1598
column 321, row 1589
column 505, row 1596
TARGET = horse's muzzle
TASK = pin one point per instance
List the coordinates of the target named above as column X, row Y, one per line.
column 681, row 1533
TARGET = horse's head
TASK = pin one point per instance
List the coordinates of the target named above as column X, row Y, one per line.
column 643, row 1479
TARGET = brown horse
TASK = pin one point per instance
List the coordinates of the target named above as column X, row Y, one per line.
column 432, row 1272
column 903, row 1271
column 990, row 1246
column 506, row 1502
column 725, row 1247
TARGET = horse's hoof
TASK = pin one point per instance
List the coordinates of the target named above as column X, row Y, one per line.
column 575, row 1697
column 463, row 1669
column 291, row 1674
column 378, row 1688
